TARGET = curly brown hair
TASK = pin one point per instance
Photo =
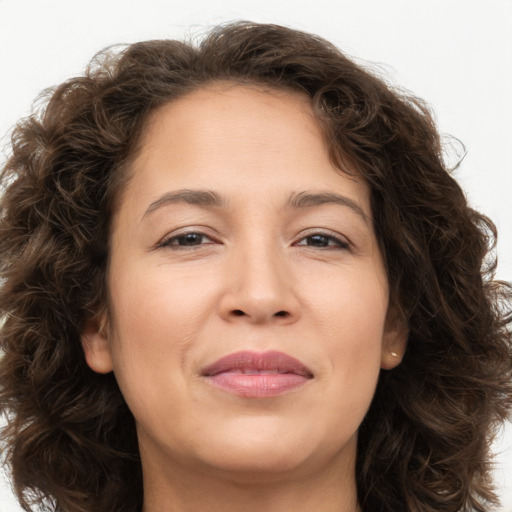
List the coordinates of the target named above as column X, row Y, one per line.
column 70, row 440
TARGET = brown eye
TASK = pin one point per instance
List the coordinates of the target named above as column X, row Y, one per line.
column 190, row 239
column 186, row 240
column 317, row 241
column 321, row 241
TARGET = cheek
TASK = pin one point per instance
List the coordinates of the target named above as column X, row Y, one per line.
column 351, row 305
column 155, row 305
column 155, row 320
column 352, row 324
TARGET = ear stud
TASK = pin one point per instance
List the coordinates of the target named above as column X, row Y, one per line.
column 394, row 354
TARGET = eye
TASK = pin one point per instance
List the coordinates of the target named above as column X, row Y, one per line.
column 323, row 241
column 184, row 240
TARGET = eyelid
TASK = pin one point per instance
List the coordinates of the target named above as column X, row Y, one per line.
column 342, row 242
column 166, row 241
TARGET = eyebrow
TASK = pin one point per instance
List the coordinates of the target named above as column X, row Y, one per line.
column 205, row 198
column 209, row 198
column 308, row 199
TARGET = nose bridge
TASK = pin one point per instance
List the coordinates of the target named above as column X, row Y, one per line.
column 263, row 268
column 261, row 283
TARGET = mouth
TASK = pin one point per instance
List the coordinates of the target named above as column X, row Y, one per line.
column 257, row 375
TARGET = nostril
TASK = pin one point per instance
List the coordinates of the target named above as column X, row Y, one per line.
column 239, row 312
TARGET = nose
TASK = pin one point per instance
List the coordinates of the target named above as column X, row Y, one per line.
column 260, row 287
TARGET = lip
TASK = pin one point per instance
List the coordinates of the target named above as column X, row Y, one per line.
column 257, row 374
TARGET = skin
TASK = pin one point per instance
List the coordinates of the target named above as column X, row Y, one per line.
column 306, row 280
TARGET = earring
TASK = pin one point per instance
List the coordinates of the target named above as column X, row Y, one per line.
column 394, row 354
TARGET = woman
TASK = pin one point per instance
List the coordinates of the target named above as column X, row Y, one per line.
column 239, row 276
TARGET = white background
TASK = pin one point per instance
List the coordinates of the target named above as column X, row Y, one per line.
column 456, row 54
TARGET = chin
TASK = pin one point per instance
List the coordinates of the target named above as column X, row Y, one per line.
column 266, row 466
column 268, row 454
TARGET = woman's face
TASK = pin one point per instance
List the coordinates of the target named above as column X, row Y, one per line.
column 248, row 294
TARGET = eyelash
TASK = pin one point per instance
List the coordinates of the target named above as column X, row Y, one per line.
column 338, row 244
column 173, row 242
column 169, row 242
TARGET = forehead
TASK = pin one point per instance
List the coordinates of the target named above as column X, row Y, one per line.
column 234, row 110
column 238, row 139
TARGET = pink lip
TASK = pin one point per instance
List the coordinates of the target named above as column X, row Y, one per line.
column 257, row 375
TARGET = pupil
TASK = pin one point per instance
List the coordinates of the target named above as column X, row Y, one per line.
column 191, row 239
column 318, row 241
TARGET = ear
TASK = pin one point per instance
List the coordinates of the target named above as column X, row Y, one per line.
column 96, row 345
column 394, row 341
